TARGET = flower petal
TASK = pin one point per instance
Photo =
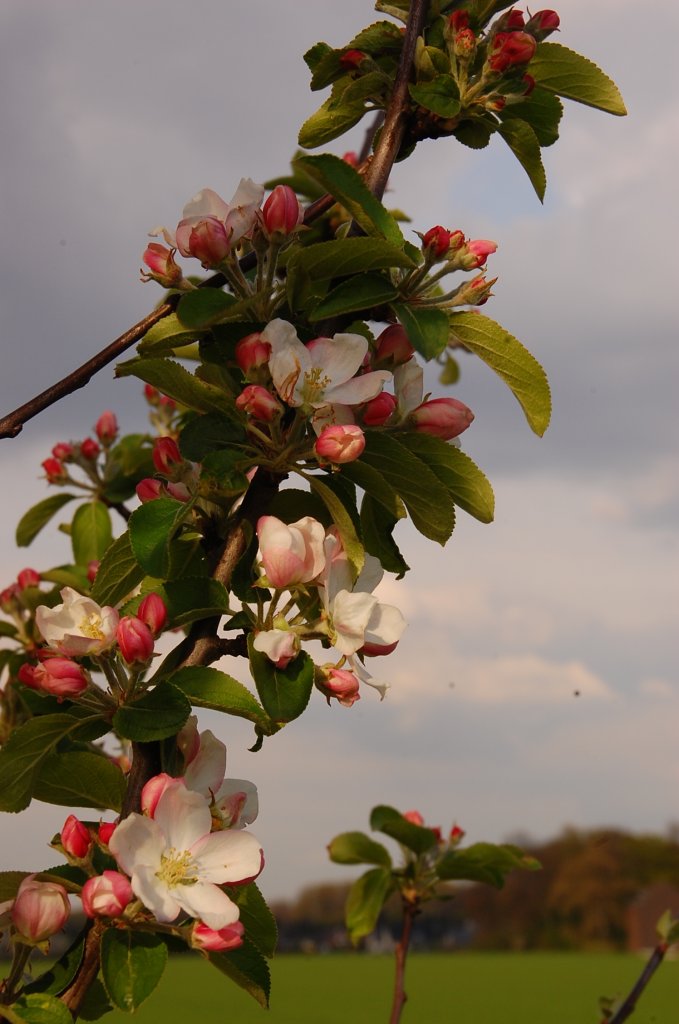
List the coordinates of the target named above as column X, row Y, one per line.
column 137, row 840
column 184, row 817
column 155, row 894
column 229, row 858
column 208, row 903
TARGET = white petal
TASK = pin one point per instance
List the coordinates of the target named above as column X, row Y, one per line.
column 359, row 389
column 229, row 857
column 206, row 203
column 206, row 772
column 386, row 625
column 154, row 894
column 339, row 357
column 137, row 840
column 208, row 903
column 409, row 386
column 350, row 616
column 184, row 817
column 370, row 575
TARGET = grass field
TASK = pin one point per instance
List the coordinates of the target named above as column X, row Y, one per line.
column 461, row 988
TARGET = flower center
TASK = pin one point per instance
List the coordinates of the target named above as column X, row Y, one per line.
column 315, row 383
column 91, row 626
column 175, row 868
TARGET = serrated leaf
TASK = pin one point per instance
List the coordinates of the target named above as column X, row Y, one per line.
column 358, row 848
column 119, row 573
column 329, row 122
column 427, row 329
column 352, row 546
column 312, row 58
column 172, row 379
column 373, row 483
column 474, row 134
column 392, row 823
column 255, row 916
column 466, row 484
column 343, row 182
column 484, row 862
column 79, row 778
column 378, row 37
column 22, row 755
column 426, row 499
column 57, row 977
column 39, row 1008
column 524, row 144
column 168, row 334
column 366, row 898
column 152, row 527
column 204, row 307
column 284, row 693
column 345, row 256
column 132, row 964
column 542, row 110
column 441, row 95
column 190, row 599
column 90, row 532
column 363, row 293
column 209, row 433
column 247, row 968
column 396, row 8
column 157, row 714
column 210, row 688
column 378, row 527
column 569, row 74
column 32, row 522
column 511, row 361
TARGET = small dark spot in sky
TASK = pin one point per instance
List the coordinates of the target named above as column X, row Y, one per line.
column 62, row 241
column 576, row 693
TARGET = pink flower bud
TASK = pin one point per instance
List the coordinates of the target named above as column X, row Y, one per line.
column 206, row 938
column 105, row 831
column 259, row 403
column 40, row 909
column 464, row 45
column 282, row 213
column 437, row 239
column 477, row 292
column 28, row 578
column 456, row 835
column 379, row 410
column 542, row 24
column 62, row 451
column 351, row 158
column 393, row 347
column 340, row 443
column 89, row 449
column 134, row 639
column 208, row 241
column 510, row 49
column 61, row 677
column 106, row 895
column 106, row 428
column 459, row 20
column 477, row 252
column 414, row 817
column 151, row 394
column 153, row 613
column 54, row 471
column 352, row 59
column 178, row 491
column 162, row 267
column 511, row 21
column 75, row 838
column 8, row 601
column 166, row 455
column 153, row 790
column 92, row 570
column 441, row 417
column 252, row 352
column 342, row 685
column 149, row 489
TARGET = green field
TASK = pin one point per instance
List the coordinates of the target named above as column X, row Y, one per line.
column 460, row 988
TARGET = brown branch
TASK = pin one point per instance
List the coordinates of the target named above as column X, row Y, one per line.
column 74, row 995
column 627, row 1007
column 395, row 118
column 410, row 912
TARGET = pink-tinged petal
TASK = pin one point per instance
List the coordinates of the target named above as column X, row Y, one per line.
column 184, row 817
column 208, row 903
column 409, row 386
column 243, row 208
column 228, row 858
column 350, row 616
column 340, row 357
column 206, row 203
column 359, row 389
column 237, row 802
column 279, row 645
column 137, row 840
column 205, row 773
column 156, row 895
column 365, row 677
column 386, row 625
column 289, row 362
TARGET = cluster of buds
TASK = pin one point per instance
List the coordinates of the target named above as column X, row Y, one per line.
column 84, row 454
column 179, row 474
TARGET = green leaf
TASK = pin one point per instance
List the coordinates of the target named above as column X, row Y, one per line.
column 284, row 693
column 204, row 307
column 427, row 329
column 396, row 8
column 32, row 522
column 247, row 968
column 542, row 110
column 474, row 134
column 255, row 916
column 392, row 823
column 358, row 848
column 366, row 898
column 313, row 57
column 484, row 862
column 560, row 70
column 365, row 292
column 328, row 122
column 378, row 527
column 373, row 483
column 132, row 964
column 159, row 713
column 168, row 334
column 90, row 532
column 59, row 976
column 9, row 884
column 524, row 144
column 511, row 361
column 210, row 688
column 343, row 182
column 39, row 1008
column 346, row 256
column 172, row 379
column 152, row 526
column 191, row 599
column 119, row 573
column 342, row 520
column 79, row 778
column 225, row 471
column 441, row 95
column 467, row 485
column 209, row 433
column 426, row 499
column 22, row 755
column 378, row 38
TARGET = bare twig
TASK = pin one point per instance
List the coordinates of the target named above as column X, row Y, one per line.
column 410, row 912
column 627, row 1007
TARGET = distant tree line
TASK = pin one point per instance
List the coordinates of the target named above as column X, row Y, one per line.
column 585, row 897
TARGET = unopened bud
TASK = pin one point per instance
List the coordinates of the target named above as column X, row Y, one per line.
column 166, row 455
column 259, row 403
column 442, row 417
column 106, row 428
column 230, row 937
column 252, row 353
column 352, row 59
column 28, row 578
column 414, row 817
column 542, row 24
column 54, row 471
column 149, row 489
column 153, row 613
column 510, row 49
column 106, row 895
column 208, row 241
column 61, row 677
column 282, row 213
column 340, row 443
column 75, row 838
column 40, row 909
column 340, row 684
column 105, row 831
column 378, row 410
column 62, row 451
column 393, row 347
column 162, row 267
column 89, row 449
column 134, row 639
column 464, row 45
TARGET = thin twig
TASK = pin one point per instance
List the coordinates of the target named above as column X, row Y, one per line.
column 627, row 1007
column 410, row 912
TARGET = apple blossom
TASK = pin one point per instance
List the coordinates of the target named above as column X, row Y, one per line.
column 290, row 554
column 234, row 802
column 259, row 403
column 279, row 645
column 78, row 626
column 28, row 578
column 40, row 909
column 135, row 639
column 106, row 427
column 232, row 220
column 106, row 895
column 340, row 684
column 162, row 266
column 61, row 677
column 176, row 864
column 76, row 838
column 213, row 941
column 340, row 443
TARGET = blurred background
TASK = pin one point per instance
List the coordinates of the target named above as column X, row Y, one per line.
column 536, row 685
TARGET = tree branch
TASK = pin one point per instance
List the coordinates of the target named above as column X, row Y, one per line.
column 410, row 912
column 627, row 1007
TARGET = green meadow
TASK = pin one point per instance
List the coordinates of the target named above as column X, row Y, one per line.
column 454, row 988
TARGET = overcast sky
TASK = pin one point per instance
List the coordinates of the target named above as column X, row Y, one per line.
column 113, row 115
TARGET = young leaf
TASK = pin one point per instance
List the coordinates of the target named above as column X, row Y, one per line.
column 366, row 898
column 507, row 356
column 392, row 823
column 119, row 573
column 152, row 526
column 330, row 121
column 542, row 110
column 427, row 329
column 569, row 74
column 90, row 532
column 467, row 485
column 32, row 522
column 157, row 714
column 484, row 862
column 204, row 307
column 524, row 144
column 347, row 186
column 172, row 379
column 191, row 599
column 441, row 95
column 39, row 1008
column 358, row 848
column 365, row 292
column 352, row 545
column 79, row 778
column 248, row 968
column 347, row 256
column 132, row 964
column 257, row 919
column 210, row 688
column 168, row 334
column 209, row 433
column 59, row 976
column 284, row 693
